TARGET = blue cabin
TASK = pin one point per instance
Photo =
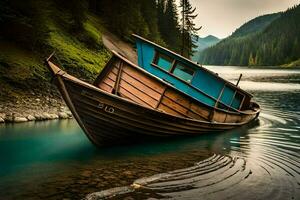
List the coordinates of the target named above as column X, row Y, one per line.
column 190, row 78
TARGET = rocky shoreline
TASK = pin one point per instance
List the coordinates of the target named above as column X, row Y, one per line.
column 34, row 108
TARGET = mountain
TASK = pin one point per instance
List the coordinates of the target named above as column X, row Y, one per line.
column 266, row 40
column 256, row 25
column 202, row 44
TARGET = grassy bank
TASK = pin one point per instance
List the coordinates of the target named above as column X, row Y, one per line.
column 293, row 64
column 25, row 80
column 80, row 53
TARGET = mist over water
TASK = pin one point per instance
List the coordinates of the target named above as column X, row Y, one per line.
column 54, row 160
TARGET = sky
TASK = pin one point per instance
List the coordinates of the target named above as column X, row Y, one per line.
column 222, row 17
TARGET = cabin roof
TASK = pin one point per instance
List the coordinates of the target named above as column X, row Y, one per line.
column 180, row 57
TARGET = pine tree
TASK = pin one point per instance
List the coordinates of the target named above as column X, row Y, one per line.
column 162, row 22
column 168, row 24
column 251, row 60
column 188, row 29
column 275, row 44
column 77, row 9
column 150, row 15
column 173, row 35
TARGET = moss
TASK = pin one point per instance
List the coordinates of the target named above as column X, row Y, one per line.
column 76, row 54
column 295, row 63
column 93, row 27
column 18, row 64
column 82, row 55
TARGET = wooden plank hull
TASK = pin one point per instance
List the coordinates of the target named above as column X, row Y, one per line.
column 111, row 120
column 139, row 86
column 141, row 107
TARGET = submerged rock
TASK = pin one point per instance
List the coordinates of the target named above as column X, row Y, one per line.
column 1, row 120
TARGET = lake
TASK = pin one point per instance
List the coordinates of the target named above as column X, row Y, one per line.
column 54, row 159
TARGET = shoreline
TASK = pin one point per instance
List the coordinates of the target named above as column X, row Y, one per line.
column 34, row 108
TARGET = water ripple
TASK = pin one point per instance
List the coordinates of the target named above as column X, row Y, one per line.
column 264, row 163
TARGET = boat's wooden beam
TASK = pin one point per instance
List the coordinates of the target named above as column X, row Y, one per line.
column 239, row 80
column 161, row 97
column 51, row 55
column 105, row 71
column 232, row 98
column 220, row 95
column 118, row 78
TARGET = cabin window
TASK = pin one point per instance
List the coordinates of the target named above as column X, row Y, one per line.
column 183, row 72
column 238, row 98
column 164, row 62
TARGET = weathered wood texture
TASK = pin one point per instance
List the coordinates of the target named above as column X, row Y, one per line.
column 137, row 105
column 137, row 86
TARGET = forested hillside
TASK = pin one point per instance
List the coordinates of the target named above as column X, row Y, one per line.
column 202, row 44
column 265, row 41
column 31, row 29
column 256, row 25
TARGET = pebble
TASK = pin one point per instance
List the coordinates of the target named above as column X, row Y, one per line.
column 30, row 118
column 53, row 116
column 86, row 173
column 38, row 117
column 13, row 117
column 33, row 109
column 69, row 113
column 63, row 115
column 9, row 118
column 20, row 119
column 2, row 115
column 46, row 116
column 62, row 108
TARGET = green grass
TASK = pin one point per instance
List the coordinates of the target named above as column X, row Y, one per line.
column 76, row 55
column 295, row 63
column 17, row 63
column 18, row 67
column 93, row 28
column 81, row 54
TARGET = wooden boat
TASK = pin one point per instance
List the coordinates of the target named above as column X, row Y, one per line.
column 126, row 102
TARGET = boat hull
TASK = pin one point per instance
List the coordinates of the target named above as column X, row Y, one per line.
column 108, row 118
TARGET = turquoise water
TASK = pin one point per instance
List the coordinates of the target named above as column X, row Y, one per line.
column 54, row 159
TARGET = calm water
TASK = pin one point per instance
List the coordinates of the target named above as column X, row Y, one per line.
column 54, row 160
